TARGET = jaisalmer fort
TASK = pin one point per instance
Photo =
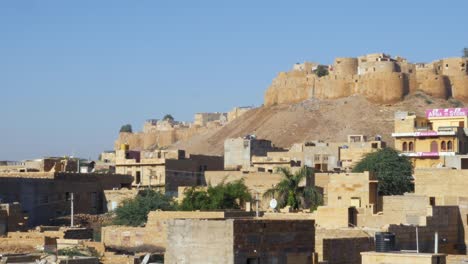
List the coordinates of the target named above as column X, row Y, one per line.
column 347, row 161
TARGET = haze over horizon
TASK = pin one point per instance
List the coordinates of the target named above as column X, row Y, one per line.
column 73, row 72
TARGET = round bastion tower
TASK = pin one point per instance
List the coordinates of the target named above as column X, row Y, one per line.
column 345, row 66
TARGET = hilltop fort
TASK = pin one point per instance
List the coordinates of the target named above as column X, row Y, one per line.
column 379, row 77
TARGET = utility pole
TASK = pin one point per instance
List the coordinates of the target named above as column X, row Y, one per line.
column 256, row 204
column 71, row 211
column 417, row 240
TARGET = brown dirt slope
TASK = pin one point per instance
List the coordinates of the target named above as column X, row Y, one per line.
column 328, row 120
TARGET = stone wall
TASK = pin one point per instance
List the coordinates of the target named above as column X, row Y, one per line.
column 402, row 213
column 339, row 246
column 157, row 138
column 44, row 196
column 440, row 183
column 114, row 198
column 379, row 78
column 352, row 189
column 199, row 241
column 399, row 209
column 152, row 237
column 257, row 182
column 402, row 258
column 240, row 241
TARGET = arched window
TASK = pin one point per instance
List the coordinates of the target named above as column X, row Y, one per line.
column 443, row 146
column 449, row 145
column 410, row 147
column 405, row 147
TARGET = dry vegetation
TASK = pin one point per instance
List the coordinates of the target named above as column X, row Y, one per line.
column 329, row 120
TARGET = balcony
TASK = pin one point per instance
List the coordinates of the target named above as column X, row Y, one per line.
column 427, row 154
column 420, row 129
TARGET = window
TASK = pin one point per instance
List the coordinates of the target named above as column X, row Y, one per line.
column 94, row 200
column 411, row 147
column 253, row 260
column 443, row 146
column 44, row 199
column 450, row 145
column 316, row 157
column 405, row 147
column 138, row 177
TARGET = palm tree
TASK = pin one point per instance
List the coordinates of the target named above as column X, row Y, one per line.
column 288, row 191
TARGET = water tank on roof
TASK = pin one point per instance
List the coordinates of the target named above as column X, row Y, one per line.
column 124, row 147
column 384, row 242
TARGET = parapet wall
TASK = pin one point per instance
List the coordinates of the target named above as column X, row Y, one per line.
column 378, row 77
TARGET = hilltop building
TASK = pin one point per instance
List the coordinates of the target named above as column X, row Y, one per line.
column 378, row 77
column 237, row 112
column 203, row 119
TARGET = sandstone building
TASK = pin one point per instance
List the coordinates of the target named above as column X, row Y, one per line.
column 238, row 152
column 12, row 218
column 322, row 156
column 47, row 164
column 202, row 119
column 435, row 139
column 378, row 77
column 165, row 169
column 46, row 195
column 240, row 241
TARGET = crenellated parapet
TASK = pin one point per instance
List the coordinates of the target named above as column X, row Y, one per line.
column 379, row 77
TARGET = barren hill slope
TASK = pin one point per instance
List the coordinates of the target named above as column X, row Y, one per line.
column 328, row 120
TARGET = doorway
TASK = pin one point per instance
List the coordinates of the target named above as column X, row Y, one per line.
column 434, row 146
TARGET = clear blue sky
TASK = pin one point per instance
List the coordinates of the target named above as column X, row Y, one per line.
column 72, row 72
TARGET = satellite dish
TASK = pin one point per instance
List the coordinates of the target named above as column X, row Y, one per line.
column 273, row 203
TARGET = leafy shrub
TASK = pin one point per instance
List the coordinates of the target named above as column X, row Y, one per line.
column 392, row 170
column 134, row 212
column 222, row 196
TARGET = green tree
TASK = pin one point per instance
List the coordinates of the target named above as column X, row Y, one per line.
column 392, row 170
column 465, row 53
column 289, row 191
column 321, row 71
column 126, row 128
column 168, row 117
column 134, row 212
column 230, row 195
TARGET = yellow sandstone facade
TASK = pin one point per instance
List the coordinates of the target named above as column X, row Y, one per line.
column 429, row 141
column 379, row 77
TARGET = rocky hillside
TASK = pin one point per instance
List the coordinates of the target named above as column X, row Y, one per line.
column 329, row 120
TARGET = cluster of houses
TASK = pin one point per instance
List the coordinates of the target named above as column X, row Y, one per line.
column 429, row 225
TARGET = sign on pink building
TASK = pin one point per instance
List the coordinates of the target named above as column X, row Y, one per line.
column 427, row 154
column 426, row 134
column 447, row 112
